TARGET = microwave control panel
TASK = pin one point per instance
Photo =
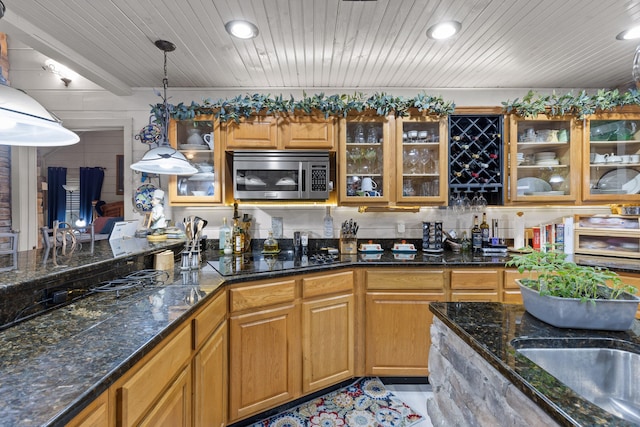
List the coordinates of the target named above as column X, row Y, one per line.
column 319, row 178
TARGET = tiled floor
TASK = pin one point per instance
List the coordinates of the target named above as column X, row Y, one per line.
column 414, row 395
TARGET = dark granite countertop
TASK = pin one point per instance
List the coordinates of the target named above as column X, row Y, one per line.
column 53, row 365
column 489, row 328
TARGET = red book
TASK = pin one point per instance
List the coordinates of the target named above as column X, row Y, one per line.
column 536, row 238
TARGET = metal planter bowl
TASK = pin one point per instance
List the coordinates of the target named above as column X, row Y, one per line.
column 604, row 315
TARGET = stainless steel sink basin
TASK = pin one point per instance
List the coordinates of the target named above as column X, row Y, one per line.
column 607, row 377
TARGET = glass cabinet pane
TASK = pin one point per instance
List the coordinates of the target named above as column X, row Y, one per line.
column 365, row 150
column 196, row 140
column 541, row 159
column 614, row 157
column 419, row 162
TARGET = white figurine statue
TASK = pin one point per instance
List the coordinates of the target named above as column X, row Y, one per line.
column 158, row 221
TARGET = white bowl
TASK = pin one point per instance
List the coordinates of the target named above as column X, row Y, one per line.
column 199, row 193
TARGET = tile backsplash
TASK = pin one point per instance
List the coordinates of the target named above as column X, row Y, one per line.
column 377, row 225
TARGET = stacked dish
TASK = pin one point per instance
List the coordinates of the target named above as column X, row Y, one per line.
column 546, row 158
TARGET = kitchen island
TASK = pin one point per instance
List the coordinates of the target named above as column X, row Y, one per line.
column 480, row 379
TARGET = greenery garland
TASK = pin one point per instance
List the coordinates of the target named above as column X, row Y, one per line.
column 333, row 105
column 579, row 105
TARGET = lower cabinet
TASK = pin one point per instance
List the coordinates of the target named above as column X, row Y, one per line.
column 159, row 386
column 328, row 330
column 210, row 369
column 510, row 290
column 264, row 355
column 397, row 320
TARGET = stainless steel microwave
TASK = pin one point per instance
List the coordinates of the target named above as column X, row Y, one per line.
column 281, row 175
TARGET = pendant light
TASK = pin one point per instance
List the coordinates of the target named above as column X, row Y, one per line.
column 164, row 159
column 23, row 121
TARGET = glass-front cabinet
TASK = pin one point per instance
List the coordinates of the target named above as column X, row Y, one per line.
column 420, row 150
column 365, row 161
column 612, row 157
column 199, row 141
column 544, row 159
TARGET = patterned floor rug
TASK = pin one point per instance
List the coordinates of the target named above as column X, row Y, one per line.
column 365, row 403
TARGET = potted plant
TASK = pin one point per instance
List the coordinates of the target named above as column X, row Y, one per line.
column 567, row 295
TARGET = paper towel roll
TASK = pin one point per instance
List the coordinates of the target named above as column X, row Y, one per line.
column 163, row 261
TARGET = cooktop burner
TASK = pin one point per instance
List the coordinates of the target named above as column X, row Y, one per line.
column 136, row 279
column 260, row 263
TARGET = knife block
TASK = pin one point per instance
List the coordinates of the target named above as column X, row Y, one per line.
column 348, row 245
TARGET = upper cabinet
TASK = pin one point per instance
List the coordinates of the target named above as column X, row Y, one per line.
column 420, row 147
column 544, row 159
column 281, row 132
column 388, row 160
column 365, row 159
column 199, row 141
column 612, row 158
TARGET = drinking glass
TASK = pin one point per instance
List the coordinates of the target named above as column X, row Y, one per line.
column 482, row 202
column 466, row 202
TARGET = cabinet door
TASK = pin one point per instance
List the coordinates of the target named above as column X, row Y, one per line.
column 210, row 368
column 612, row 158
column 253, row 132
column 544, row 159
column 397, row 332
column 309, row 132
column 264, row 360
column 366, row 159
column 174, row 408
column 94, row 415
column 479, row 285
column 421, row 151
column 327, row 341
column 199, row 141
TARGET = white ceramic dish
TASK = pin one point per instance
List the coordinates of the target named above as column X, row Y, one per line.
column 370, row 247
column 404, row 247
column 532, row 184
column 616, row 178
column 202, row 177
column 549, row 162
column 199, row 193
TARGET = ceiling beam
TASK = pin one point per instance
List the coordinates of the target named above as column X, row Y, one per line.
column 44, row 43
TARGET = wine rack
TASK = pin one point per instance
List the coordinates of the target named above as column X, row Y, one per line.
column 475, row 156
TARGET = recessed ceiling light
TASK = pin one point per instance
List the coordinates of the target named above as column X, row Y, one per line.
column 631, row 33
column 241, row 29
column 443, row 30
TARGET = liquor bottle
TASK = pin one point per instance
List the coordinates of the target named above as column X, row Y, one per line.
column 328, row 224
column 223, row 234
column 270, row 244
column 484, row 230
column 238, row 237
column 476, row 235
column 466, row 243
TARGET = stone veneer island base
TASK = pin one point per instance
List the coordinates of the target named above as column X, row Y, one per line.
column 468, row 391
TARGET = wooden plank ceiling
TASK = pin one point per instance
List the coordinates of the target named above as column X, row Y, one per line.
column 334, row 43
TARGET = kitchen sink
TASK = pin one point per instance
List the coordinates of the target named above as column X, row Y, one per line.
column 605, row 376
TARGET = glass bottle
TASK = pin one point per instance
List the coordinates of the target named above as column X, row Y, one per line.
column 238, row 237
column 476, row 235
column 328, row 224
column 223, row 234
column 466, row 243
column 270, row 244
column 484, row 230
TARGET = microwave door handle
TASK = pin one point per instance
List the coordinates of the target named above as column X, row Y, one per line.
column 303, row 180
